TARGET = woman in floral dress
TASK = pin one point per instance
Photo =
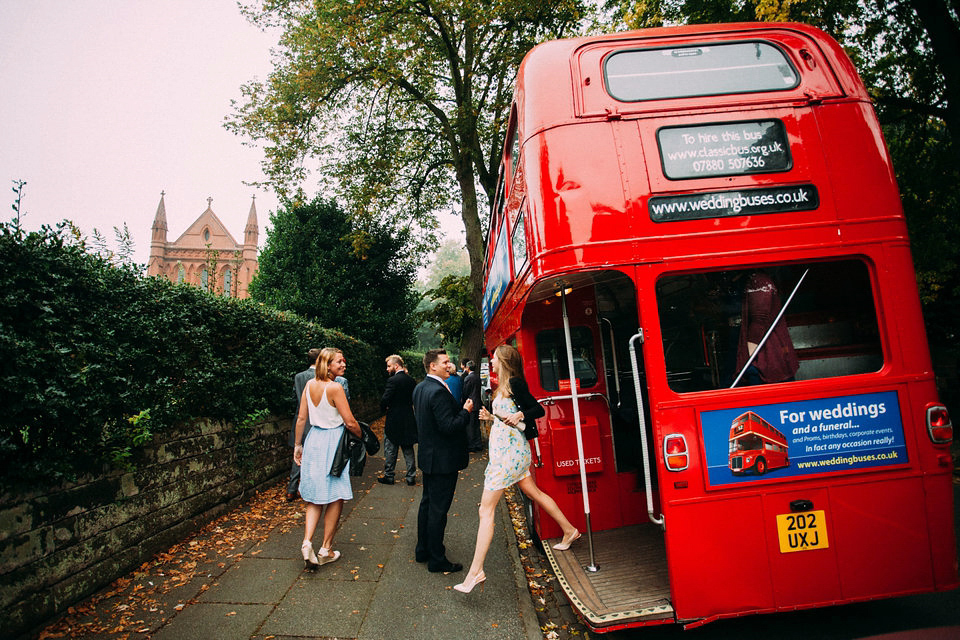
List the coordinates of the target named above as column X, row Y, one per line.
column 510, row 459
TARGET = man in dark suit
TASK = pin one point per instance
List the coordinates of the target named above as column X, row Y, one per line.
column 400, row 427
column 299, row 383
column 471, row 389
column 442, row 435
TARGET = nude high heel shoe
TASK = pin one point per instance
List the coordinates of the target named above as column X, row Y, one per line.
column 327, row 556
column 309, row 557
column 467, row 585
column 565, row 543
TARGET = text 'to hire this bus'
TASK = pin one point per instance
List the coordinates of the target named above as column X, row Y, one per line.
column 694, row 225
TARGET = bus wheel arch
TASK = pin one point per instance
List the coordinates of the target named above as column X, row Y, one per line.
column 760, row 466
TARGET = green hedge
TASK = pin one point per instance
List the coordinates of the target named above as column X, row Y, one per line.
column 94, row 358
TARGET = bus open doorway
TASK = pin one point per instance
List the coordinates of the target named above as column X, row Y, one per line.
column 621, row 573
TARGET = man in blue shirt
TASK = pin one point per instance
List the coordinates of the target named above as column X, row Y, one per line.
column 454, row 383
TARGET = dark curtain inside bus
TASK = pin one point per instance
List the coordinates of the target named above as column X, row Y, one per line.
column 722, row 325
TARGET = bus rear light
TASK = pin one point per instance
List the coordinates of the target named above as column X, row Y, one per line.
column 939, row 425
column 675, row 452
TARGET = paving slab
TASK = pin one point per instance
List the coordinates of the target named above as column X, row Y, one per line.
column 321, row 608
column 215, row 621
column 254, row 581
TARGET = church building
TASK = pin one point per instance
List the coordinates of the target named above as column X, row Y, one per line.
column 206, row 255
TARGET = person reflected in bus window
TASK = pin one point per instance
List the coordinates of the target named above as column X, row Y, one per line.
column 509, row 464
column 777, row 359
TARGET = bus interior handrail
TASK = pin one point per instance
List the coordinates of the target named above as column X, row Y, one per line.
column 648, row 484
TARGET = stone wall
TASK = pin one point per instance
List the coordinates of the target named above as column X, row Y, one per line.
column 62, row 544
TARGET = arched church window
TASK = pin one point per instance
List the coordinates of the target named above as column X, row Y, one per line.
column 206, row 235
column 227, row 281
column 181, row 273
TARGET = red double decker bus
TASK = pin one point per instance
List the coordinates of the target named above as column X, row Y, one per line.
column 695, row 224
column 756, row 445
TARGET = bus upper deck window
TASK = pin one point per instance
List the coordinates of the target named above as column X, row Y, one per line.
column 706, row 70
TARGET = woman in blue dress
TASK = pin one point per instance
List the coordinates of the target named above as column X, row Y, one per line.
column 325, row 408
column 509, row 462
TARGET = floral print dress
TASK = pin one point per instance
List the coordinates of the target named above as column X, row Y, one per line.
column 509, row 451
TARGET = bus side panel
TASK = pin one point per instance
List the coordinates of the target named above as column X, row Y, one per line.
column 716, row 552
column 943, row 541
column 579, row 196
column 881, row 537
column 851, row 138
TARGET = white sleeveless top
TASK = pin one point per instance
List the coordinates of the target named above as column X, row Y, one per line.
column 323, row 415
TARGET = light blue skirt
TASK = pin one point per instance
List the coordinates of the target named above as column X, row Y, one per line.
column 317, row 486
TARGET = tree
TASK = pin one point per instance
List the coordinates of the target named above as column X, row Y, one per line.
column 323, row 264
column 453, row 313
column 401, row 103
column 449, row 260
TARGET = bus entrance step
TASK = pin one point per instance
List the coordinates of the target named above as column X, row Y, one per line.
column 632, row 583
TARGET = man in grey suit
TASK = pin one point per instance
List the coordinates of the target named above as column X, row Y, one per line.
column 299, row 384
column 442, row 434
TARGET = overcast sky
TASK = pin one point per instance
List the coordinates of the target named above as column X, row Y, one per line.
column 106, row 103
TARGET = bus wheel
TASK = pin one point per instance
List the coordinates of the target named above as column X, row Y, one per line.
column 531, row 525
column 761, row 466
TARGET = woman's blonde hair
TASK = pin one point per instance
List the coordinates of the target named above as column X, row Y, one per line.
column 327, row 356
column 509, row 365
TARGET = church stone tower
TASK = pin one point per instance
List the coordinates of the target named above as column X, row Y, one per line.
column 205, row 255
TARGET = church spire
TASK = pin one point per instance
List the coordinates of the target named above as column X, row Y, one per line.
column 160, row 221
column 251, row 233
column 158, row 238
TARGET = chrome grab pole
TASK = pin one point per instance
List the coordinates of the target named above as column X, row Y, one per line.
column 576, row 423
column 643, row 430
column 613, row 350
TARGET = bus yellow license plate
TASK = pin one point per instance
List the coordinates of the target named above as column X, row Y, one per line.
column 802, row 531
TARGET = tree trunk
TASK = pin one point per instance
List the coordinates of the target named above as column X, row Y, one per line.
column 472, row 341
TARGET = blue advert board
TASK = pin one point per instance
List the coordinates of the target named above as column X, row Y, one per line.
column 497, row 279
column 823, row 435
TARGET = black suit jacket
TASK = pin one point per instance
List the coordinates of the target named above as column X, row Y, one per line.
column 400, row 425
column 441, row 428
column 471, row 389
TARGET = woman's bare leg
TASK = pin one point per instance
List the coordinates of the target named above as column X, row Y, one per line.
column 545, row 502
column 331, row 519
column 488, row 506
column 311, row 520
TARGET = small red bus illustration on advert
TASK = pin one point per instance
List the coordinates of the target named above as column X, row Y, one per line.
column 756, row 445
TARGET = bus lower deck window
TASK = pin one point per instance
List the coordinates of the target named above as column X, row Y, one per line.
column 713, row 322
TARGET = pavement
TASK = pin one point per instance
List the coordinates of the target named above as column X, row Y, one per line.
column 242, row 576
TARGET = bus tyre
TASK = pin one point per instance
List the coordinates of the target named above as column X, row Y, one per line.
column 761, row 466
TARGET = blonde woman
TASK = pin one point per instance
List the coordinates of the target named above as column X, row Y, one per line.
column 324, row 406
column 509, row 459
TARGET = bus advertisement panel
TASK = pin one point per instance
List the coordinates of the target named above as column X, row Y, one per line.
column 823, row 435
column 498, row 277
